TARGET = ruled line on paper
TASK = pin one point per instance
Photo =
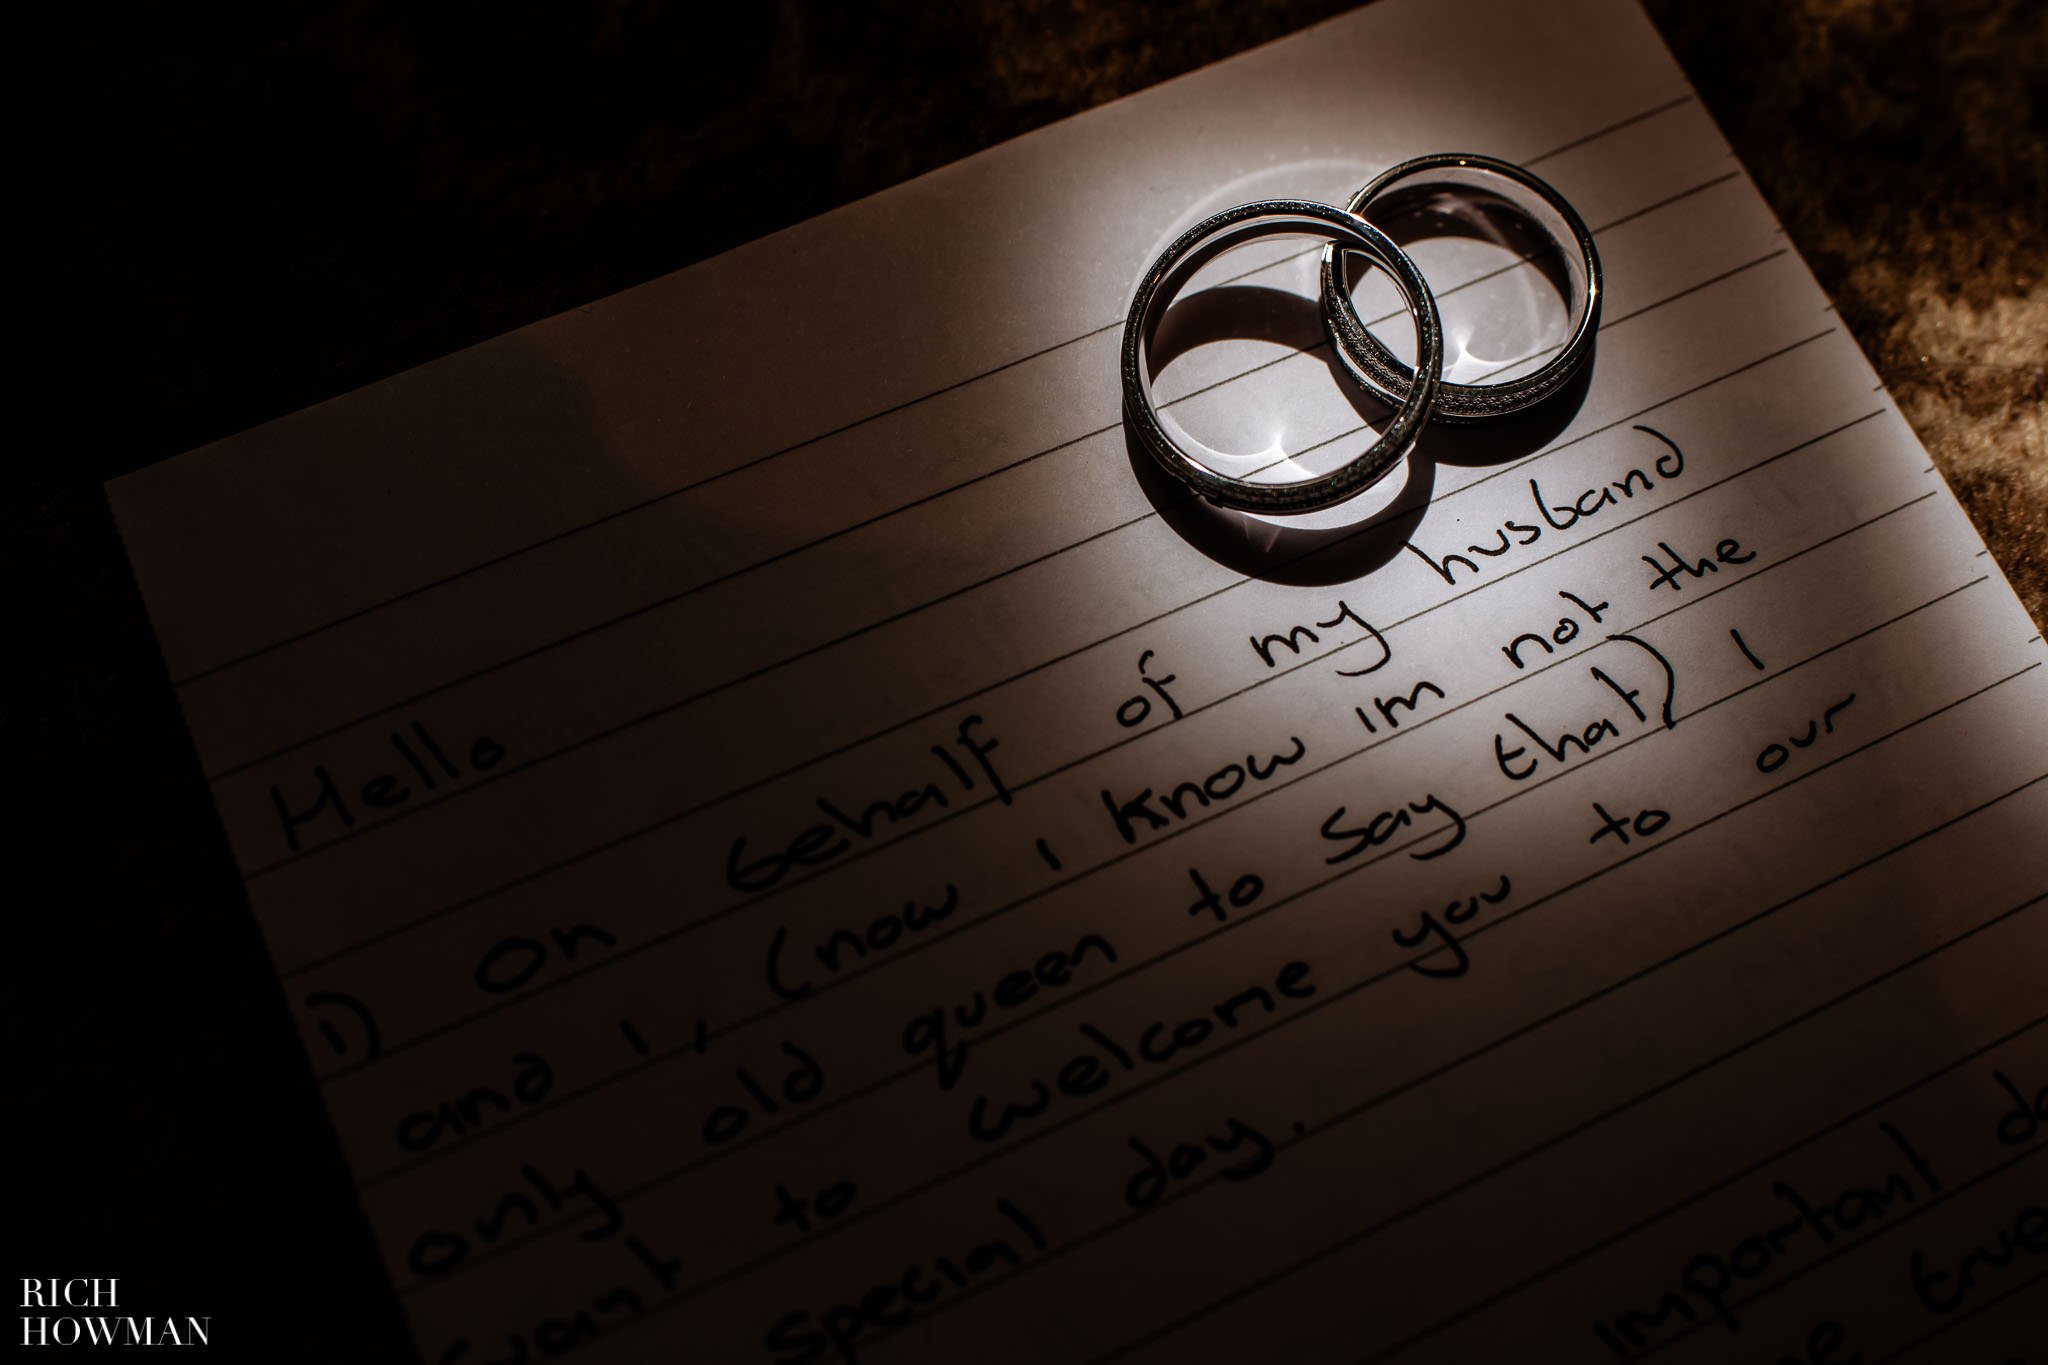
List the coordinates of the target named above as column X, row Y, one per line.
column 1648, row 1221
column 1637, row 312
column 488, row 779
column 1596, row 135
column 1081, row 992
column 1052, row 1254
column 1026, row 784
column 665, row 821
column 485, row 780
column 357, row 614
column 2038, row 1280
column 1381, row 1225
column 741, row 1271
column 668, row 937
column 905, row 1196
column 629, row 1193
column 685, row 930
column 695, row 809
column 729, row 576
column 563, row 978
column 1269, row 266
column 1835, row 1253
column 936, row 936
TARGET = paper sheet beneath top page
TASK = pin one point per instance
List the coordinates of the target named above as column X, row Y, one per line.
column 780, row 853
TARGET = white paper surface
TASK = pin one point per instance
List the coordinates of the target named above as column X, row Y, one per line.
column 730, row 778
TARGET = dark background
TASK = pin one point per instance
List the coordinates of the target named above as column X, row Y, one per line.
column 231, row 214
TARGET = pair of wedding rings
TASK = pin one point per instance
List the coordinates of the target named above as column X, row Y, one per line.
column 1419, row 393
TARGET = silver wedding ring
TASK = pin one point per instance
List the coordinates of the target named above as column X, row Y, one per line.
column 1418, row 393
column 1234, row 227
column 1466, row 176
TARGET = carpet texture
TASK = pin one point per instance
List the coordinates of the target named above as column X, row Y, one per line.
column 1905, row 147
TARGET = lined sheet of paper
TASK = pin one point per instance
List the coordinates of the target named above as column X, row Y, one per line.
column 781, row 852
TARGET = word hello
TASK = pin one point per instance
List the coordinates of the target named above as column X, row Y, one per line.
column 426, row 767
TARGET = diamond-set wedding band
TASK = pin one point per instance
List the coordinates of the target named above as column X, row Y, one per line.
column 1419, row 393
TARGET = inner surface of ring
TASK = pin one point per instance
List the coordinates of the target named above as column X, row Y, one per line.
column 1506, row 268
column 1240, row 365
